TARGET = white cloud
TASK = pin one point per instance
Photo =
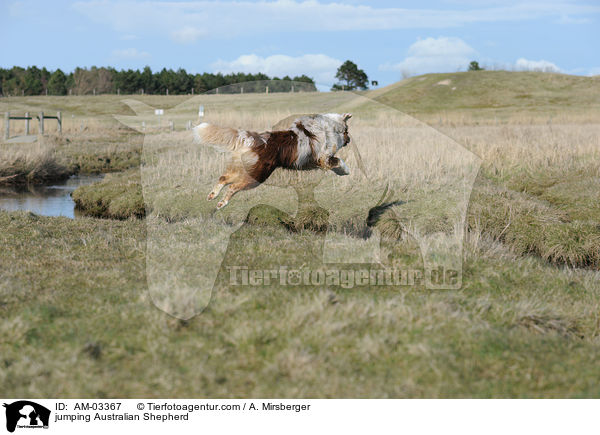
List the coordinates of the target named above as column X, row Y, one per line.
column 443, row 54
column 567, row 19
column 318, row 66
column 233, row 18
column 129, row 53
column 17, row 9
column 187, row 34
column 129, row 37
column 536, row 65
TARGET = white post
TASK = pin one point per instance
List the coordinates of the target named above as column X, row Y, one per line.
column 242, row 90
column 171, row 125
column 6, row 125
column 292, row 89
column 267, row 90
column 167, row 91
column 94, row 91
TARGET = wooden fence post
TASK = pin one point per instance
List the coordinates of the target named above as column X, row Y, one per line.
column 59, row 120
column 41, row 119
column 6, row 125
column 27, row 123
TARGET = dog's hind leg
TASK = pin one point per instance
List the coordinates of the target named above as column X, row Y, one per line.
column 224, row 180
column 233, row 189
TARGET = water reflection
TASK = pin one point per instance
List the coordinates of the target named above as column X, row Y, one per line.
column 45, row 200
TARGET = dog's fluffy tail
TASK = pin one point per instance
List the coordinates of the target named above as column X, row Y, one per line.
column 223, row 138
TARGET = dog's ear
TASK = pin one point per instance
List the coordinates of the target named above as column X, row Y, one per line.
column 346, row 116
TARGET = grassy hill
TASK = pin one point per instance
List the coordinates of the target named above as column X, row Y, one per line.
column 533, row 92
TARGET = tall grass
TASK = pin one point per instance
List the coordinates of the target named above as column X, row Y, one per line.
column 31, row 164
column 535, row 192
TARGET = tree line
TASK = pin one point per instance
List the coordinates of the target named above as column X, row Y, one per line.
column 107, row 80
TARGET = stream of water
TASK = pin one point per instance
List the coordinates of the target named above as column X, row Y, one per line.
column 45, row 200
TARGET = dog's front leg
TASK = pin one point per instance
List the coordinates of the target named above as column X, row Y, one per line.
column 336, row 164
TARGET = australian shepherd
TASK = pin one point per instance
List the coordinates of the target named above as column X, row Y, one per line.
column 309, row 142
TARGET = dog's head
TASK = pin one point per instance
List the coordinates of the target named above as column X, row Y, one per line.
column 338, row 124
column 329, row 131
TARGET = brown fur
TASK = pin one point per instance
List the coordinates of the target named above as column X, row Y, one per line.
column 279, row 151
column 259, row 154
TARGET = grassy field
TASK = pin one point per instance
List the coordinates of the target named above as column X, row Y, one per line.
column 496, row 96
column 77, row 297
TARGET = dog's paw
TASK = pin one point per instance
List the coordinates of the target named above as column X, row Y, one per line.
column 222, row 204
column 339, row 170
column 211, row 196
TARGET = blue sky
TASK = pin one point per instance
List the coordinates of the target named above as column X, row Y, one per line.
column 388, row 39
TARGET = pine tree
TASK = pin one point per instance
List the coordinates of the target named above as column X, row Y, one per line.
column 353, row 77
column 57, row 85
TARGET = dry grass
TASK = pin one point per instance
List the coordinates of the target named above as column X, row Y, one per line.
column 516, row 329
column 523, row 324
column 410, row 182
column 31, row 164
